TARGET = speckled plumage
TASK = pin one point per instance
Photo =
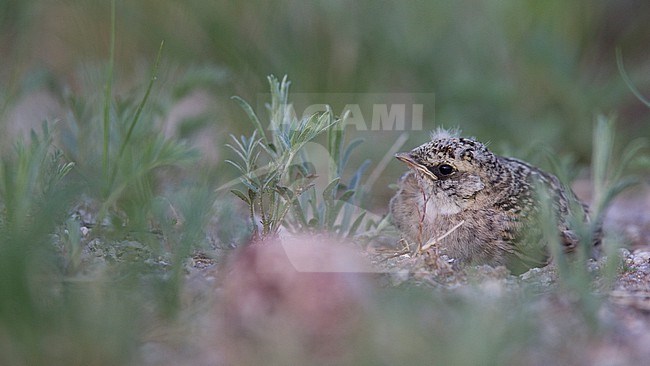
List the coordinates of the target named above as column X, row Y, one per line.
column 454, row 179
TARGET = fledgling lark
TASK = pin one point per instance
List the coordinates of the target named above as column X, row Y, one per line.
column 477, row 207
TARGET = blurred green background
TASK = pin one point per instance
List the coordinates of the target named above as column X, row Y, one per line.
column 522, row 75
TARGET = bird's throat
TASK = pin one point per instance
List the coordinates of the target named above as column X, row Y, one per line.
column 433, row 208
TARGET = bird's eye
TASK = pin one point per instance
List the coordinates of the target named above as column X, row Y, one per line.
column 445, row 170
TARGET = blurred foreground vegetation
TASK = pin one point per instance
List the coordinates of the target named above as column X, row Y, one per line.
column 109, row 190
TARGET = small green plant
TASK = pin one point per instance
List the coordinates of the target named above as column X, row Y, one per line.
column 34, row 198
column 610, row 177
column 279, row 173
column 124, row 173
column 30, row 180
column 121, row 170
column 182, row 220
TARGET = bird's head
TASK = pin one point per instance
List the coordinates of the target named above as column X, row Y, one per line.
column 451, row 169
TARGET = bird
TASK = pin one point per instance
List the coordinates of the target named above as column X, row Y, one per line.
column 477, row 207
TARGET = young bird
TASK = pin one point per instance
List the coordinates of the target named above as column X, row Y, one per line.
column 480, row 208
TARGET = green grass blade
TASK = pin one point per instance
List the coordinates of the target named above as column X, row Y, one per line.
column 627, row 80
column 602, row 152
column 355, row 225
column 253, row 117
column 138, row 113
column 108, row 91
column 383, row 163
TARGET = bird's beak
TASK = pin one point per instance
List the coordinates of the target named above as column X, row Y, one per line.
column 406, row 158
